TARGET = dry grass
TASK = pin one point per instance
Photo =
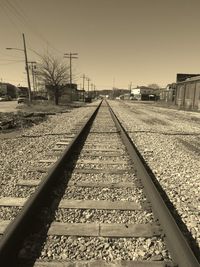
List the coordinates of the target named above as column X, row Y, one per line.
column 43, row 107
column 46, row 106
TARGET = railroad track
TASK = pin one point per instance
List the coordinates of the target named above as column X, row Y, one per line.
column 96, row 206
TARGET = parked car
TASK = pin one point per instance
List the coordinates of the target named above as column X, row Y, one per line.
column 22, row 99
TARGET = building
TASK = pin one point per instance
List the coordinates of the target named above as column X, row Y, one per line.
column 188, row 93
column 66, row 93
column 180, row 77
column 144, row 93
column 168, row 94
column 7, row 89
column 23, row 91
column 81, row 94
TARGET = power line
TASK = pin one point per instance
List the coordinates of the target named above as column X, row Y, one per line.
column 33, row 67
column 13, row 60
column 21, row 17
column 34, row 51
column 5, row 55
column 70, row 56
column 9, row 63
column 83, row 81
column 88, row 80
column 27, row 70
column 10, row 18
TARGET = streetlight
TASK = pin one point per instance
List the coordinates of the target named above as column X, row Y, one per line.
column 26, row 65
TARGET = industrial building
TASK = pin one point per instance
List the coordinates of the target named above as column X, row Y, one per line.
column 144, row 93
column 188, row 93
column 168, row 94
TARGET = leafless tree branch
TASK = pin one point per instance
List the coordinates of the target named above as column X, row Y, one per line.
column 53, row 73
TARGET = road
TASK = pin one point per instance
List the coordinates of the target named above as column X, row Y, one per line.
column 8, row 106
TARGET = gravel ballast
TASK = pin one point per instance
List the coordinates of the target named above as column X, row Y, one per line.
column 21, row 153
column 169, row 142
column 155, row 150
column 87, row 248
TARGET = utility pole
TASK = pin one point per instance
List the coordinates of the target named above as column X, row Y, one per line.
column 27, row 70
column 130, row 86
column 70, row 56
column 88, row 80
column 1, row 84
column 94, row 91
column 91, row 87
column 83, row 88
column 130, row 90
column 83, row 81
column 33, row 66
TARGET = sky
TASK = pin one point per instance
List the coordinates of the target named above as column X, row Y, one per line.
column 118, row 42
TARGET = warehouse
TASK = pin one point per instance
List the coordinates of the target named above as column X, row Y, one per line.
column 168, row 94
column 188, row 94
column 144, row 93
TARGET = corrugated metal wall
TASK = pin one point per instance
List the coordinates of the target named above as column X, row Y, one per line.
column 188, row 95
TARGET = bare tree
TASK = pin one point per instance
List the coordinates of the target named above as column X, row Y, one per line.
column 54, row 73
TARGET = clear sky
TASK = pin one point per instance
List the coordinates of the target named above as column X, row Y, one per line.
column 118, row 41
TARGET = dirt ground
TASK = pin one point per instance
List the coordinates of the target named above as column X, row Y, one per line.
column 15, row 117
column 8, row 106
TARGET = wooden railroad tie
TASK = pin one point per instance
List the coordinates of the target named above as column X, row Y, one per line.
column 82, row 204
column 36, row 182
column 99, row 229
column 103, row 263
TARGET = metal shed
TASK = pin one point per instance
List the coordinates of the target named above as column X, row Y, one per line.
column 188, row 94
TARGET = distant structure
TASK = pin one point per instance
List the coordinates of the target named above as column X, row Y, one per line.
column 180, row 77
column 23, row 91
column 7, row 89
column 144, row 93
column 188, row 93
column 67, row 93
column 168, row 94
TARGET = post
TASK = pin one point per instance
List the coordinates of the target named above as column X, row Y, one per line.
column 83, row 86
column 94, row 91
column 88, row 85
column 70, row 67
column 195, row 88
column 33, row 74
column 83, row 81
column 71, row 56
column 27, row 70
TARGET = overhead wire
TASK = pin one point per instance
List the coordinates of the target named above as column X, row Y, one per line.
column 10, row 18
column 13, row 56
column 9, row 63
column 19, row 20
column 18, row 81
column 21, row 16
column 14, row 60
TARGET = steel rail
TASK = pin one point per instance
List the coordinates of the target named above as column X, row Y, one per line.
column 21, row 226
column 180, row 250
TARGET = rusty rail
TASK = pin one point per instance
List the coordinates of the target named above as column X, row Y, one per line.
column 180, row 250
column 21, row 226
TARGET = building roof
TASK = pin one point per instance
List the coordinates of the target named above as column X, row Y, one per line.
column 188, row 80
